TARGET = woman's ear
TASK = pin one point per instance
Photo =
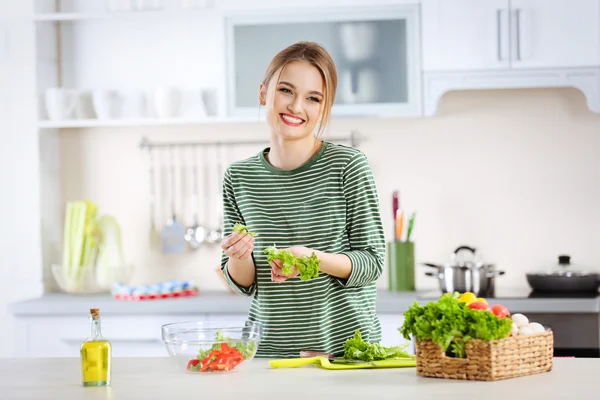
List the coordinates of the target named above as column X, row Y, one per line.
column 262, row 95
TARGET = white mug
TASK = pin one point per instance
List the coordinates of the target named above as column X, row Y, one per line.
column 60, row 103
column 107, row 103
column 166, row 101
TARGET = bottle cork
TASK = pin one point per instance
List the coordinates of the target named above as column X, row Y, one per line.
column 95, row 312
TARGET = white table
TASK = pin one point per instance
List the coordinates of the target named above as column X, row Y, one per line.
column 155, row 378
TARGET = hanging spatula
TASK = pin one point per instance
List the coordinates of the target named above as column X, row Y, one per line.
column 154, row 234
column 173, row 234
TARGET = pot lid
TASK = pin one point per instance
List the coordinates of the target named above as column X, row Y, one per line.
column 564, row 267
column 466, row 256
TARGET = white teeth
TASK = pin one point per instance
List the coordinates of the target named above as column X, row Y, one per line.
column 291, row 119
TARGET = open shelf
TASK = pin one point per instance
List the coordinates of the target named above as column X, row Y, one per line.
column 132, row 15
column 141, row 122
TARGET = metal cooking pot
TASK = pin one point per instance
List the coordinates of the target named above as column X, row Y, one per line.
column 563, row 277
column 461, row 275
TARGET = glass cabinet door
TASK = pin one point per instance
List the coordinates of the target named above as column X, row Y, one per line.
column 375, row 52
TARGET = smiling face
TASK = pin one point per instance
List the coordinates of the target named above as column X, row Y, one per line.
column 294, row 99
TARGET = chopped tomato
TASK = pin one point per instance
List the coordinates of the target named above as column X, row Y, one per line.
column 224, row 359
column 192, row 364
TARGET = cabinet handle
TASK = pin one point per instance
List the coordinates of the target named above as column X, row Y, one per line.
column 499, row 33
column 518, row 38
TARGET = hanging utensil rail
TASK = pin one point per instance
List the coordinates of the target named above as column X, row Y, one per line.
column 354, row 139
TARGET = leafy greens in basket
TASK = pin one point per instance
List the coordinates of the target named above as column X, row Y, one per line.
column 308, row 267
column 451, row 323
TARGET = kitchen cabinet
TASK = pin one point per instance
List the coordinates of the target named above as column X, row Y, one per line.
column 465, row 35
column 510, row 44
column 375, row 51
column 135, row 335
column 130, row 335
column 555, row 33
column 462, row 35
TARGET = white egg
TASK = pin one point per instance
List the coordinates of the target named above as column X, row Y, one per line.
column 525, row 330
column 520, row 320
column 514, row 330
column 536, row 327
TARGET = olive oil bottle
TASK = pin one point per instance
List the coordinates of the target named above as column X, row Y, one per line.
column 96, row 354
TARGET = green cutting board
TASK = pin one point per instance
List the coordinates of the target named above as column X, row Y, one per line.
column 323, row 362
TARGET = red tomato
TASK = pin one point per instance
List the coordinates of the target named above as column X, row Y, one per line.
column 192, row 363
column 478, row 305
column 500, row 311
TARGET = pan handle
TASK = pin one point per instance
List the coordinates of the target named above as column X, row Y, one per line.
column 494, row 274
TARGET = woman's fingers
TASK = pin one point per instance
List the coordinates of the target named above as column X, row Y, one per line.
column 233, row 239
column 238, row 246
column 245, row 251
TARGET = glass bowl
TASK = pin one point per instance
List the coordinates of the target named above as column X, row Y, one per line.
column 91, row 279
column 211, row 347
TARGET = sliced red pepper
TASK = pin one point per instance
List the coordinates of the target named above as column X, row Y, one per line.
column 192, row 363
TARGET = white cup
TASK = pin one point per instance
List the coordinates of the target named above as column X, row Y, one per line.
column 60, row 103
column 107, row 103
column 166, row 101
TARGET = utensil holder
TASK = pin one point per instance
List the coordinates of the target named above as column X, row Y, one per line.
column 401, row 266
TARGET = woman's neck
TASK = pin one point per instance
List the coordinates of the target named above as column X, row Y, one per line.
column 290, row 154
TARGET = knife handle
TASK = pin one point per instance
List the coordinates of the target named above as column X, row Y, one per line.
column 292, row 362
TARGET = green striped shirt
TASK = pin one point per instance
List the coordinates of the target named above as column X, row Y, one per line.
column 329, row 204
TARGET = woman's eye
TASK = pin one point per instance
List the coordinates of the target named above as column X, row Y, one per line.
column 315, row 99
column 285, row 90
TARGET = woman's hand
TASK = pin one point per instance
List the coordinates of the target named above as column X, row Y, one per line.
column 238, row 246
column 277, row 274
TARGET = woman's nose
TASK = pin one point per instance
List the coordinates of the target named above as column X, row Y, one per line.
column 295, row 106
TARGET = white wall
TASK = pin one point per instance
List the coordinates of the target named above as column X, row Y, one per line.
column 514, row 173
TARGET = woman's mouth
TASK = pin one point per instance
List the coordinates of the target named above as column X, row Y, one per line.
column 291, row 120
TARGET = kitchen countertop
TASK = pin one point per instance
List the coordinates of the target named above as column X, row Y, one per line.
column 517, row 300
column 155, row 378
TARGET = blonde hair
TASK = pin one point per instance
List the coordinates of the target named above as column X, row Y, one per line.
column 315, row 55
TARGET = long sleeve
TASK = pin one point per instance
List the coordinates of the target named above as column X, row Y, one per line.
column 231, row 215
column 363, row 223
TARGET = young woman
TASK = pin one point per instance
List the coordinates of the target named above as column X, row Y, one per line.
column 307, row 196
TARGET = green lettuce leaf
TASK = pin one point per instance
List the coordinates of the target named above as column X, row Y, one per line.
column 308, row 266
column 356, row 348
column 239, row 228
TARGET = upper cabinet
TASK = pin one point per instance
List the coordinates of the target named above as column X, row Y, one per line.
column 376, row 52
column 462, row 35
column 555, row 33
column 465, row 35
column 510, row 44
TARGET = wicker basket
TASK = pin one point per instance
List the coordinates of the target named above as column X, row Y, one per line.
column 488, row 360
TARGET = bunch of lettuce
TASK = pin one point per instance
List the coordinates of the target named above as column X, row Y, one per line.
column 240, row 228
column 356, row 348
column 451, row 323
column 308, row 266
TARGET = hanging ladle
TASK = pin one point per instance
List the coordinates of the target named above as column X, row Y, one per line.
column 216, row 235
column 196, row 234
